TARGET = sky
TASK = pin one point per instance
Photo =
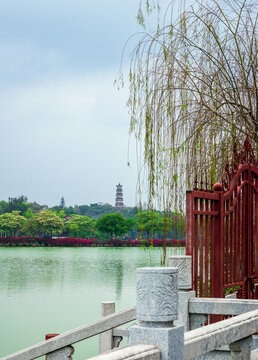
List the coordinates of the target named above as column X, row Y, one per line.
column 63, row 124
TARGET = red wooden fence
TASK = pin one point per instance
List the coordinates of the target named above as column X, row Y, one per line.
column 222, row 230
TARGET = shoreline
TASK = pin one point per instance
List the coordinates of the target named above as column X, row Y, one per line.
column 76, row 242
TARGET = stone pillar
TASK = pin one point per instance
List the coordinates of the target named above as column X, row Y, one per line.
column 156, row 309
column 106, row 338
column 241, row 350
column 184, row 265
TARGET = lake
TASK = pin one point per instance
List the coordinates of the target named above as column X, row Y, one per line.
column 53, row 290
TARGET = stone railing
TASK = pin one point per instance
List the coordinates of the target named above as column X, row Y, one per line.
column 200, row 308
column 135, row 352
column 235, row 332
column 195, row 312
column 60, row 347
column 160, row 325
column 198, row 344
column 166, row 309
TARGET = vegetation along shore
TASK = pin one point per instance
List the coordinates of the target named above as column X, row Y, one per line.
column 76, row 242
column 30, row 224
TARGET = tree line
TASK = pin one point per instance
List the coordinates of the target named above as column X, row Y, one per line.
column 22, row 219
column 95, row 210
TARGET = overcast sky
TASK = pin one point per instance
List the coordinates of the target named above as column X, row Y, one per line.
column 64, row 126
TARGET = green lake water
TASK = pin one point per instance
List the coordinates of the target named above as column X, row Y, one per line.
column 53, row 290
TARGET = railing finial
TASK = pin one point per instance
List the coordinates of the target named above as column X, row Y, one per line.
column 218, row 187
column 245, row 156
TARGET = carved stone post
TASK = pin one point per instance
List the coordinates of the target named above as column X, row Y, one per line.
column 157, row 308
column 184, row 265
column 61, row 354
column 106, row 338
column 241, row 350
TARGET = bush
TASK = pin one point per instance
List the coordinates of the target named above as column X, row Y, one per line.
column 71, row 241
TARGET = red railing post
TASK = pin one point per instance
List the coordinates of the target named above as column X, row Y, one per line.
column 217, row 286
column 217, row 289
column 189, row 222
column 49, row 336
column 255, row 209
column 189, row 228
column 250, row 266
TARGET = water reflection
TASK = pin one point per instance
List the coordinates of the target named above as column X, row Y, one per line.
column 119, row 279
column 39, row 269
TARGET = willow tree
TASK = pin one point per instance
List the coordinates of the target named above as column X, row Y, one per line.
column 193, row 91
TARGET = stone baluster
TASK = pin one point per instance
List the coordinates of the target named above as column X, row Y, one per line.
column 184, row 265
column 61, row 354
column 197, row 321
column 241, row 350
column 156, row 309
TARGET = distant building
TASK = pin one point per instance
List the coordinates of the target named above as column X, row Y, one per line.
column 119, row 196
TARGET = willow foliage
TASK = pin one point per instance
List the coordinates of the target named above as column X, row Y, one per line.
column 193, row 89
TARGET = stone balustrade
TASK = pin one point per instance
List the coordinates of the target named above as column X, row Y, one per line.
column 71, row 337
column 211, row 337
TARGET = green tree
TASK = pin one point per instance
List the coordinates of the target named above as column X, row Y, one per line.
column 44, row 223
column 11, row 223
column 80, row 226
column 3, row 207
column 169, row 225
column 17, row 204
column 69, row 210
column 28, row 213
column 130, row 224
column 60, row 214
column 112, row 224
column 149, row 222
column 193, row 91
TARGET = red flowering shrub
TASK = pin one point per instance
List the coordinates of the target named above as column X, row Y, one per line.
column 65, row 241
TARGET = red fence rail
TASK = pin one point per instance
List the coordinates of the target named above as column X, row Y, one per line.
column 222, row 231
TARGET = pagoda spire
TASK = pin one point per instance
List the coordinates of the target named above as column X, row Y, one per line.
column 119, row 196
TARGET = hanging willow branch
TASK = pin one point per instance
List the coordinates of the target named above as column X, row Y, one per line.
column 193, row 89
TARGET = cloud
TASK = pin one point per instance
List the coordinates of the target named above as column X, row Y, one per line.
column 64, row 127
column 66, row 136
column 76, row 35
column 24, row 61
